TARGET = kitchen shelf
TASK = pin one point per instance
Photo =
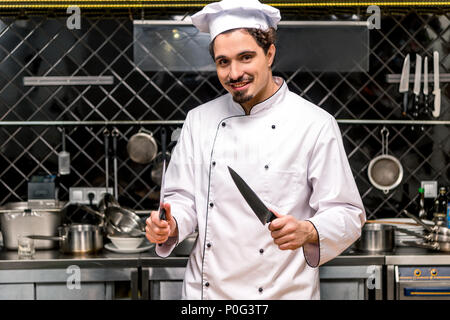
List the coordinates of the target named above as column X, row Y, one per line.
column 395, row 78
column 180, row 122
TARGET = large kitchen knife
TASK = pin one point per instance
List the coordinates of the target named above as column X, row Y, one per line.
column 416, row 89
column 436, row 89
column 259, row 208
column 404, row 84
column 426, row 108
column 162, row 211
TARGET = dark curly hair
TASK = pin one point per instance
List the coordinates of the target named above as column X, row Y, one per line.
column 263, row 38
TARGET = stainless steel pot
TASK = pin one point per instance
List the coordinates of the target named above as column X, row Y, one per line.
column 385, row 172
column 32, row 217
column 76, row 238
column 376, row 238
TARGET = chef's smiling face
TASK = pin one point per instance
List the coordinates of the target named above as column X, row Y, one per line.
column 243, row 68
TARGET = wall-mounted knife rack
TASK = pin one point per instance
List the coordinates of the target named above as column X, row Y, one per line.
column 180, row 122
column 68, row 80
column 395, row 78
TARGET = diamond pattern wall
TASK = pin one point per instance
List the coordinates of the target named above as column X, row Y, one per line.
column 41, row 45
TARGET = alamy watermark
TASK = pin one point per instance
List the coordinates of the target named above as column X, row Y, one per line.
column 74, row 21
column 373, row 281
column 374, row 21
column 74, row 278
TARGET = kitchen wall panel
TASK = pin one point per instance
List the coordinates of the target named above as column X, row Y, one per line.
column 41, row 45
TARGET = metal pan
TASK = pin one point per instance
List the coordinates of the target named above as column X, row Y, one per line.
column 431, row 237
column 435, row 246
column 76, row 238
column 142, row 147
column 432, row 229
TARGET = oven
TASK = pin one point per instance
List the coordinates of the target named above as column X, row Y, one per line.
column 422, row 282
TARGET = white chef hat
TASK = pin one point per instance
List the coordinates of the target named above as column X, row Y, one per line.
column 218, row 17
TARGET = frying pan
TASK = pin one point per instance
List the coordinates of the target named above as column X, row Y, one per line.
column 431, row 237
column 432, row 229
column 142, row 147
column 436, row 245
column 385, row 172
column 120, row 221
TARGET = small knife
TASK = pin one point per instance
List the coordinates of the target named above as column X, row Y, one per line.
column 404, row 84
column 436, row 89
column 416, row 89
column 259, row 208
column 426, row 109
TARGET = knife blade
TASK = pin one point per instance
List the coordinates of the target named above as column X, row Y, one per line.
column 426, row 108
column 162, row 211
column 259, row 208
column 416, row 89
column 404, row 84
column 436, row 89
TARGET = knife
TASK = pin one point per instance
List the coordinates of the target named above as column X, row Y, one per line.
column 259, row 208
column 162, row 211
column 416, row 89
column 404, row 84
column 437, row 90
column 426, row 109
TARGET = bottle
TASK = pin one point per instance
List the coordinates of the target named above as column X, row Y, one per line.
column 440, row 208
column 421, row 205
column 442, row 201
column 448, row 214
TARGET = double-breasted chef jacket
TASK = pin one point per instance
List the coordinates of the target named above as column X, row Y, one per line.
column 290, row 152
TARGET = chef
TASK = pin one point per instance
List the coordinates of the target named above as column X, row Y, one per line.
column 288, row 150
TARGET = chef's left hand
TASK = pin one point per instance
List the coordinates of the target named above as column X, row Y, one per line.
column 290, row 234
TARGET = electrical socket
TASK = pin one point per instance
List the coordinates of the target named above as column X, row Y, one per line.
column 80, row 195
column 430, row 188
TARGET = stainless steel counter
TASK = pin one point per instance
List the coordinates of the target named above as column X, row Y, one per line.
column 105, row 258
column 158, row 274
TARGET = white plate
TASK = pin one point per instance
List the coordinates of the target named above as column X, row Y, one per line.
column 142, row 248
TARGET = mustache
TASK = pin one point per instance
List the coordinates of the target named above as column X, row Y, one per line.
column 240, row 79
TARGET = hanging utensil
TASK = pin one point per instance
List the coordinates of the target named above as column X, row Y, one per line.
column 115, row 134
column 404, row 84
column 385, row 171
column 64, row 157
column 106, row 143
column 426, row 109
column 142, row 147
column 436, row 89
column 416, row 88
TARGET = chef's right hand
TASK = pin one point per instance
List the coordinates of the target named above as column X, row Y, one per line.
column 157, row 230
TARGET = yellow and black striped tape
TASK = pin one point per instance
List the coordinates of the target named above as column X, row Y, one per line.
column 13, row 4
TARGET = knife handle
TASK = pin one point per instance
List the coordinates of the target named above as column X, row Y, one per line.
column 415, row 112
column 437, row 103
column 426, row 108
column 271, row 217
column 162, row 214
column 405, row 103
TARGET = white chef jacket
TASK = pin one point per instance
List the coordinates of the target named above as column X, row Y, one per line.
column 290, row 153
